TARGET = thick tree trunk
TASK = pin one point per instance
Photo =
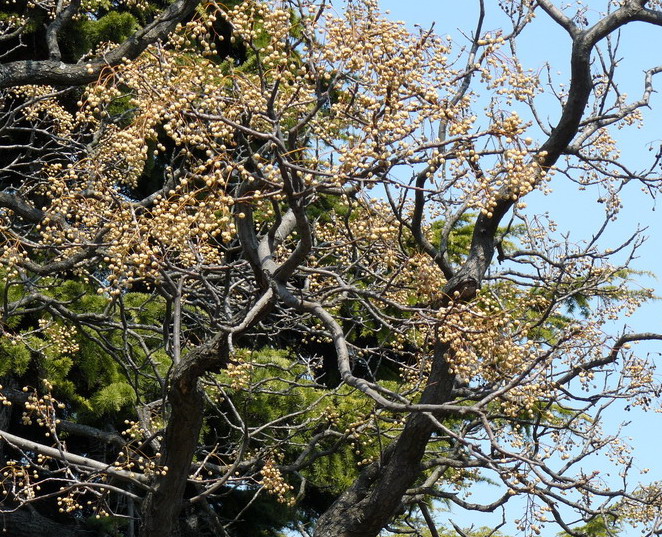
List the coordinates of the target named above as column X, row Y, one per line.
column 368, row 505
column 186, row 399
column 163, row 506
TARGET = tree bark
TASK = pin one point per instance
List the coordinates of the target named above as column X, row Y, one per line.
column 186, row 400
column 57, row 73
column 368, row 505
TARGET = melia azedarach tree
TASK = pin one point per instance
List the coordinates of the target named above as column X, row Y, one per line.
column 276, row 269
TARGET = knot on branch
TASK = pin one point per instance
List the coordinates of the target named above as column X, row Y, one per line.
column 462, row 288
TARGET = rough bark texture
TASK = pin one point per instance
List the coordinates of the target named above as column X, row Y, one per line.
column 57, row 73
column 366, row 507
column 377, row 495
column 186, row 399
column 164, row 505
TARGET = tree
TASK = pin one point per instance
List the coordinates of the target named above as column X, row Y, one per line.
column 265, row 248
column 54, row 56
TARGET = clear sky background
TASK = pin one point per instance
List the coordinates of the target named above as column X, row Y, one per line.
column 576, row 212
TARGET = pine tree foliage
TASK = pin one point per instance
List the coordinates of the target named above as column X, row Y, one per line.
column 268, row 267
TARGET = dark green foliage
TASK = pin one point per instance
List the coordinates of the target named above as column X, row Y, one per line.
column 87, row 34
column 113, row 397
column 14, row 358
column 80, row 370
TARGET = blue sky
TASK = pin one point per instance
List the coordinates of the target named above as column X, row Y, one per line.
column 576, row 212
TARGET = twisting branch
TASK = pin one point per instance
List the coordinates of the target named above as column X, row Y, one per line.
column 54, row 72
